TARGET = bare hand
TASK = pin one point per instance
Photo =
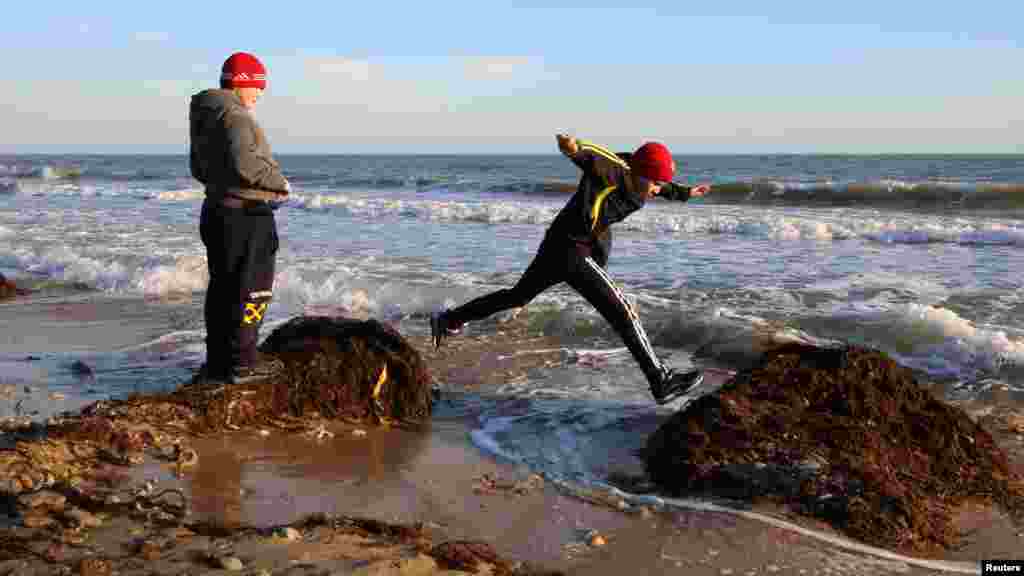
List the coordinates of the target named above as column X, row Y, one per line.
column 700, row 190
column 567, row 144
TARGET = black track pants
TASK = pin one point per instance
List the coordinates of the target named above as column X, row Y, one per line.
column 558, row 262
column 240, row 247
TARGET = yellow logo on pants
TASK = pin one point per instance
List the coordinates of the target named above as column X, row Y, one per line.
column 254, row 312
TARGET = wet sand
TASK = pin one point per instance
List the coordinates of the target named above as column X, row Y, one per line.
column 89, row 322
column 436, row 476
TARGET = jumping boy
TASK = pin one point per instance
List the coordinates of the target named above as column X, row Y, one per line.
column 575, row 250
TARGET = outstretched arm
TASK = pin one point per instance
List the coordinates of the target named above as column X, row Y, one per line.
column 588, row 156
column 673, row 191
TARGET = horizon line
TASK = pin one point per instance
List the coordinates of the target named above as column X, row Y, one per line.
column 406, row 153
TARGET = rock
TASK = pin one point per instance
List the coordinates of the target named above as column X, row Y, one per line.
column 83, row 518
column 94, row 567
column 37, row 520
column 8, row 289
column 231, row 564
column 288, row 533
column 464, row 555
column 1015, row 423
column 419, row 565
column 185, row 457
column 72, row 536
column 848, row 422
column 25, row 483
column 180, row 533
column 55, row 552
column 342, row 367
column 81, row 369
column 44, row 499
column 150, row 550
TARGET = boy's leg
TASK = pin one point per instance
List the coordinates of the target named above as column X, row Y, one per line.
column 212, row 231
column 594, row 284
column 543, row 272
column 255, row 284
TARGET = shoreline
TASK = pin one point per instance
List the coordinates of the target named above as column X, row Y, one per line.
column 438, row 477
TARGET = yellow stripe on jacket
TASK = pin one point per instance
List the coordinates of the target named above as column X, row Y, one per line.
column 607, row 154
column 601, row 151
column 598, row 201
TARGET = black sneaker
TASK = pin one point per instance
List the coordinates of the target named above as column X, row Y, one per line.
column 265, row 367
column 440, row 329
column 675, row 384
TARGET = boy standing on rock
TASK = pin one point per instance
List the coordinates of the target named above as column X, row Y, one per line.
column 231, row 156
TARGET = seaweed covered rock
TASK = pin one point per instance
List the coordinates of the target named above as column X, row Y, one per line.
column 844, row 434
column 8, row 289
column 348, row 368
column 334, row 368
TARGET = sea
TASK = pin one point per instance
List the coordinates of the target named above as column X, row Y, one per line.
column 918, row 256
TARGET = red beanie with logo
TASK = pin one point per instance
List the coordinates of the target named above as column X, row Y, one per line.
column 654, row 162
column 243, row 70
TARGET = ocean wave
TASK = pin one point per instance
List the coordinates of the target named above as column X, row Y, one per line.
column 938, row 341
column 542, row 188
column 932, row 339
column 131, row 275
column 345, row 292
column 943, row 196
column 658, row 219
column 52, row 172
column 328, row 181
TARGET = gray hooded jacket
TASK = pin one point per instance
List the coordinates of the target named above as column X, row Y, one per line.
column 229, row 153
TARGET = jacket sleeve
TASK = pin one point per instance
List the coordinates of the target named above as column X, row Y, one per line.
column 673, row 191
column 255, row 168
column 195, row 160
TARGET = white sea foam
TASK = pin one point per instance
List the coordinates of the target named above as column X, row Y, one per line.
column 942, row 343
column 671, row 218
column 343, row 293
column 180, row 194
column 878, row 288
column 188, row 274
column 118, row 274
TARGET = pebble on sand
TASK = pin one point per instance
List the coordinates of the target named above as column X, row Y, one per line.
column 231, row 563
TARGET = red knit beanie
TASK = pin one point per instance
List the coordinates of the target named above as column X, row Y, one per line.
column 654, row 162
column 243, row 70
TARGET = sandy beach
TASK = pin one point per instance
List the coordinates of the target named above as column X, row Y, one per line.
column 248, row 485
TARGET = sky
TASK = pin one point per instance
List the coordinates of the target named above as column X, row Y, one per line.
column 482, row 77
